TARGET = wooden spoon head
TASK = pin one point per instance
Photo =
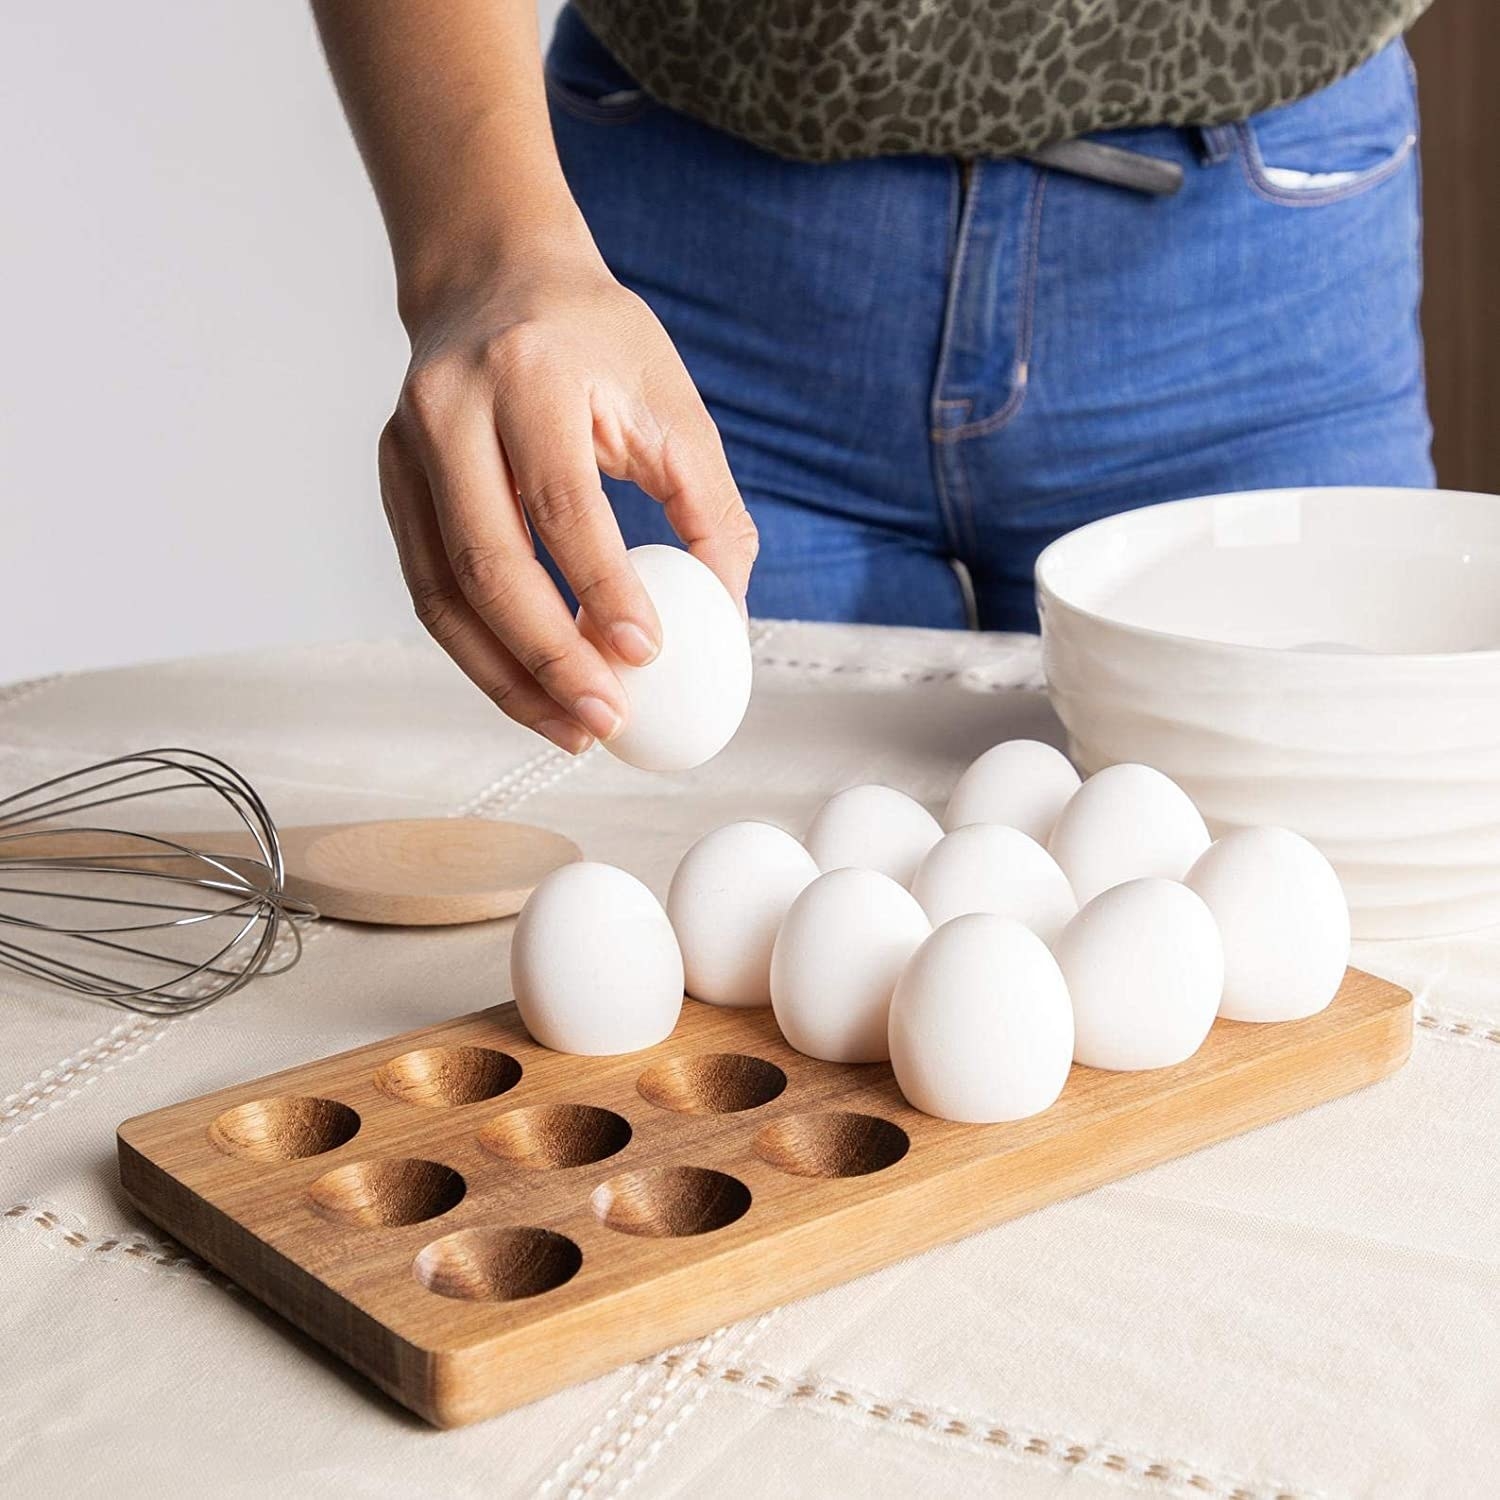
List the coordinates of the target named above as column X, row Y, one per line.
column 420, row 872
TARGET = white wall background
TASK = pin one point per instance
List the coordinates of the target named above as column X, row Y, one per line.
column 199, row 339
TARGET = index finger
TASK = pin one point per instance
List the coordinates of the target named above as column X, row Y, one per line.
column 686, row 470
column 549, row 445
column 490, row 554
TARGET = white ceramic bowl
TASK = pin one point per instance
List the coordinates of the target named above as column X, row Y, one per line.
column 1324, row 659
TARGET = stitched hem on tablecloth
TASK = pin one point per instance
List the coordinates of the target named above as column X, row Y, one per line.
column 50, row 1091
column 982, row 1434
column 664, row 1386
column 487, row 794
column 686, row 1404
column 65, row 1231
column 973, row 679
column 1455, row 1026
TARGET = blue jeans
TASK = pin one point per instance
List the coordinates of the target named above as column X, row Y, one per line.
column 923, row 374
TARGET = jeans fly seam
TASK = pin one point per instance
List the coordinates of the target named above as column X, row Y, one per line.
column 961, row 470
column 950, row 318
column 1029, row 272
column 955, row 279
column 1253, row 165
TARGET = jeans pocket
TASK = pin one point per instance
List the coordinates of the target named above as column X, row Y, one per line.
column 1342, row 141
column 585, row 81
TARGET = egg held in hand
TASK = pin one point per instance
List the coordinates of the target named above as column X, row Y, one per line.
column 1144, row 967
column 1019, row 783
column 1126, row 822
column 726, row 903
column 1284, row 920
column 837, row 958
column 872, row 827
column 981, row 1029
column 594, row 963
column 686, row 705
column 985, row 867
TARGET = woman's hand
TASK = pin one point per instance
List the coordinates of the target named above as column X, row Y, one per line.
column 532, row 369
column 520, row 391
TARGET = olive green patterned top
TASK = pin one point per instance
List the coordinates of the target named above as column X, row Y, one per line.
column 831, row 79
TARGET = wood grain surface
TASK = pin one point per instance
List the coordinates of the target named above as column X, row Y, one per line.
column 473, row 1222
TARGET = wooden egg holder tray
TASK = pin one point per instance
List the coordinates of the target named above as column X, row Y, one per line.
column 473, row 1221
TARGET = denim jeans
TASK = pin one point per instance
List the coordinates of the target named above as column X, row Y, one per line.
column 923, row 373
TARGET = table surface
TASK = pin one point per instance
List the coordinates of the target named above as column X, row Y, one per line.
column 1309, row 1310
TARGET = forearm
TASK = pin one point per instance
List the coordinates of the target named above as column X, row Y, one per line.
column 447, row 102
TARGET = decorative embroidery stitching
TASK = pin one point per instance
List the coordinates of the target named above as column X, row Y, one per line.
column 980, row 1433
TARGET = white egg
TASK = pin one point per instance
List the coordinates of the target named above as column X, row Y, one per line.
column 1126, row 822
column 985, row 867
column 874, row 828
column 1021, row 783
column 1145, row 970
column 981, row 1029
column 686, row 705
column 594, row 964
column 727, row 901
column 1284, row 920
column 837, row 958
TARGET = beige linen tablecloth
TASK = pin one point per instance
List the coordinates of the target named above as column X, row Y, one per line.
column 1313, row 1309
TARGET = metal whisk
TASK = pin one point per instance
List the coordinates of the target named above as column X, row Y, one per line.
column 136, row 918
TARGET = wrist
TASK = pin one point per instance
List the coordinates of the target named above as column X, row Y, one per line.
column 460, row 264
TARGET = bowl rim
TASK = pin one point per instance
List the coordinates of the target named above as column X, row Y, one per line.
column 1049, row 594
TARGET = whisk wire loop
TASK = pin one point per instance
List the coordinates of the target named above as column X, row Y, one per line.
column 75, row 896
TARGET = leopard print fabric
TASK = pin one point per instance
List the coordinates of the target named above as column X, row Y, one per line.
column 828, row 80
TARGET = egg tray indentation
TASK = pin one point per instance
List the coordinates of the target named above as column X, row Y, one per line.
column 447, row 1077
column 711, row 1083
column 547, row 1136
column 833, row 1143
column 497, row 1263
column 670, row 1201
column 387, row 1192
column 283, row 1128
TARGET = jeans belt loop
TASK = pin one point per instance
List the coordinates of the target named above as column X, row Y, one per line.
column 1215, row 143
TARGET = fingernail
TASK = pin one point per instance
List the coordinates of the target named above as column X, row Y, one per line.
column 565, row 736
column 598, row 717
column 632, row 644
